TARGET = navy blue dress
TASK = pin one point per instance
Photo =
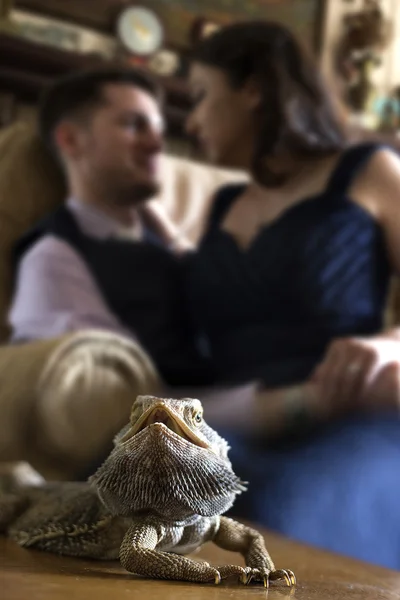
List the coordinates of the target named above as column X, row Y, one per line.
column 268, row 313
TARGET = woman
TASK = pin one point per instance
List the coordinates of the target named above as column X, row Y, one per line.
column 288, row 289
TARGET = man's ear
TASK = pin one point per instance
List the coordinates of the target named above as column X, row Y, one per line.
column 252, row 93
column 68, row 138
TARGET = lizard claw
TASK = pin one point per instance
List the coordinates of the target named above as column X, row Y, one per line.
column 288, row 576
column 243, row 578
column 261, row 575
column 293, row 579
column 246, row 576
column 251, row 574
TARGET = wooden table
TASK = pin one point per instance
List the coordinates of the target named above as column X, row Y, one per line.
column 33, row 575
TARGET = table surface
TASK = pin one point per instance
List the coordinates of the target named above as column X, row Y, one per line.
column 35, row 575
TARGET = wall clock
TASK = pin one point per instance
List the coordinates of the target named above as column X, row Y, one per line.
column 140, row 30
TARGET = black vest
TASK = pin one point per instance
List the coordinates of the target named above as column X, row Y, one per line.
column 142, row 284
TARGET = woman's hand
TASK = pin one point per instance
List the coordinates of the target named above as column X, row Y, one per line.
column 359, row 374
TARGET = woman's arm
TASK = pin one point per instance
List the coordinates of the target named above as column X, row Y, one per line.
column 357, row 372
column 382, row 183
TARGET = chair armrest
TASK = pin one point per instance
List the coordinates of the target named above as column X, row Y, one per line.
column 63, row 400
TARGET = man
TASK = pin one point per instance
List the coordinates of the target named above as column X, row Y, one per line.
column 92, row 264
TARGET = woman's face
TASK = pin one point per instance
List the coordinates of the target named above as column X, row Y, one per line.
column 223, row 117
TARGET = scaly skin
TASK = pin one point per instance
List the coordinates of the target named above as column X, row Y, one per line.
column 158, row 496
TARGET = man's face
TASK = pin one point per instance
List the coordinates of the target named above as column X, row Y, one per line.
column 119, row 145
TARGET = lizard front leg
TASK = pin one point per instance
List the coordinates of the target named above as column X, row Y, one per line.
column 139, row 555
column 236, row 537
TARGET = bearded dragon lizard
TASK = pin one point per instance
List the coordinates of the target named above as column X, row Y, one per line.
column 159, row 495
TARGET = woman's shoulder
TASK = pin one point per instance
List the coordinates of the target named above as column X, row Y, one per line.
column 369, row 173
column 374, row 159
column 367, row 151
column 381, row 174
column 361, row 158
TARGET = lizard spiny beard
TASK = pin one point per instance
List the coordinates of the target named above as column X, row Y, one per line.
column 158, row 472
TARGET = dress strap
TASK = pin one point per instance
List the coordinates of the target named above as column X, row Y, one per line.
column 350, row 164
column 223, row 200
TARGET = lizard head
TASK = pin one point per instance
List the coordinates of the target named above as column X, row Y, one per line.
column 167, row 462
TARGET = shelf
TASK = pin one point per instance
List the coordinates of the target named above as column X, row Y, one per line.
column 26, row 67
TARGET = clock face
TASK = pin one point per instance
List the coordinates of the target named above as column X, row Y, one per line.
column 140, row 30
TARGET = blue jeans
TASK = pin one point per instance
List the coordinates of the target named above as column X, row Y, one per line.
column 338, row 489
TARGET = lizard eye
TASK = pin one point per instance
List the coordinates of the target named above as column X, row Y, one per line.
column 198, row 418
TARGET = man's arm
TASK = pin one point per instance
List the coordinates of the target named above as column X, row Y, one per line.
column 55, row 293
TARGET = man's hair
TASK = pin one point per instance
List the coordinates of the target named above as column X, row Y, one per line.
column 78, row 94
column 298, row 114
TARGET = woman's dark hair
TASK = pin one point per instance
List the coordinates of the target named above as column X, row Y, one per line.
column 297, row 116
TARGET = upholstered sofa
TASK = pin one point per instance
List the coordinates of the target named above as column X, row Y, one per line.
column 62, row 400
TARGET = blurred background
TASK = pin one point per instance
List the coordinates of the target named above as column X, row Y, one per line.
column 357, row 42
